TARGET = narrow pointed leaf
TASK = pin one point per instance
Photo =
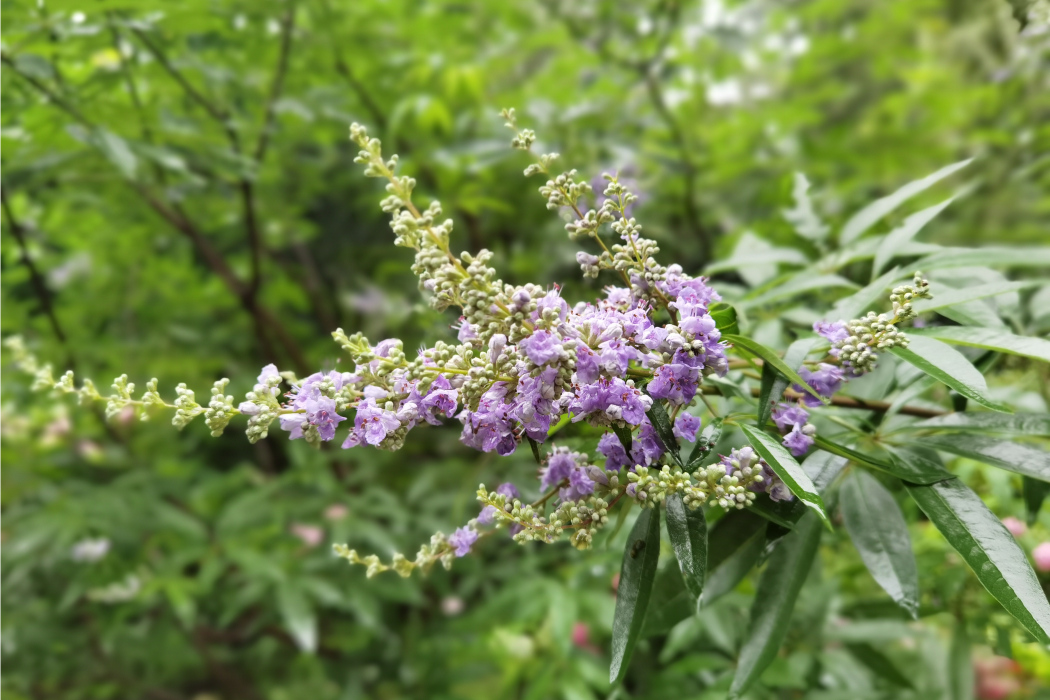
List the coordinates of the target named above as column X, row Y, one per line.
column 770, row 357
column 960, row 664
column 1009, row 424
column 913, row 470
column 1013, row 456
column 985, row 256
column 705, row 444
column 803, row 217
column 856, row 304
column 989, row 339
column 799, row 284
column 724, row 317
column 785, row 466
column 947, row 365
column 535, row 450
column 945, row 297
column 687, row 529
column 866, row 217
column 664, row 430
column 775, row 600
column 624, row 434
column 734, row 547
column 879, row 663
column 773, row 384
column 989, row 549
column 637, row 573
column 879, row 532
column 896, row 238
column 1035, row 492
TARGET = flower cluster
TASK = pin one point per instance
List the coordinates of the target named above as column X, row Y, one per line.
column 527, row 362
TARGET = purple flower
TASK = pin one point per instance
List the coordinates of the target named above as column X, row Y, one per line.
column 441, row 398
column 372, row 424
column 787, row 416
column 558, row 469
column 466, row 332
column 586, row 365
column 491, row 427
column 615, row 456
column 835, row 333
column 321, row 414
column 652, row 448
column 541, row 347
column 826, row 381
column 462, row 540
column 612, row 398
column 580, row 485
column 586, row 259
column 797, row 441
column 675, row 382
column 686, row 427
column 551, row 300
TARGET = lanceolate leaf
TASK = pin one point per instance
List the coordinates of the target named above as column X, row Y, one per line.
column 989, row 549
column 960, row 664
column 945, row 364
column 915, row 471
column 896, row 238
column 773, row 384
column 1013, row 456
column 944, row 297
column 729, row 565
column 989, row 339
column 785, row 466
column 770, row 357
column 775, row 600
column 624, row 434
column 664, row 430
column 856, row 304
column 636, row 585
column 985, row 256
column 687, row 529
column 724, row 317
column 880, row 534
column 1015, row 424
column 705, row 444
column 1035, row 492
column 866, row 217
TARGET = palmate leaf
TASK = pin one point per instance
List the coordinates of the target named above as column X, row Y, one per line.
column 775, row 600
column 785, row 466
column 880, row 533
column 989, row 339
column 637, row 574
column 1013, row 456
column 687, row 529
column 947, row 365
column 989, row 549
column 769, row 356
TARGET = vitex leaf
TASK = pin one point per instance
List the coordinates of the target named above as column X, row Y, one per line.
column 947, row 365
column 687, row 529
column 637, row 573
column 960, row 664
column 856, row 304
column 1035, row 492
column 773, row 384
column 949, row 297
column 891, row 244
column 769, row 356
column 705, row 444
column 1010, row 424
column 1013, row 456
column 985, row 256
column 879, row 532
column 988, row 339
column 785, row 466
column 724, row 316
column 778, row 589
column 918, row 471
column 664, row 430
column 624, row 434
column 734, row 545
column 989, row 549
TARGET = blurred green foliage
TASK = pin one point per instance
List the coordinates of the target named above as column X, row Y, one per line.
column 180, row 201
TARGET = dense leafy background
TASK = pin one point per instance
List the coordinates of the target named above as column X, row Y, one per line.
column 157, row 160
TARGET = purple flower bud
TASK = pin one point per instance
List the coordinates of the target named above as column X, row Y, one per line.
column 797, row 441
column 462, row 540
column 686, row 427
column 541, row 347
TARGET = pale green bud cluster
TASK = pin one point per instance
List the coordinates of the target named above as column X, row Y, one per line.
column 220, row 409
column 584, row 517
column 438, row 550
column 874, row 333
column 652, row 486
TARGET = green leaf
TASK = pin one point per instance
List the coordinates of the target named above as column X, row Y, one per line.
column 799, row 285
column 1035, row 492
column 771, row 256
column 945, row 296
column 855, row 305
column 536, row 450
column 671, row 602
column 1013, row 456
column 299, row 616
column 637, row 573
column 562, row 422
column 1015, row 424
column 775, row 600
column 664, row 430
column 770, row 357
column 724, row 317
column 879, row 663
column 782, row 513
column 705, row 444
column 878, row 530
column 687, row 529
column 960, row 664
column 988, row 339
column 989, row 549
column 117, row 151
column 913, row 470
column 624, row 434
column 803, row 217
column 773, row 385
column 947, row 365
column 735, row 544
column 866, row 217
column 985, row 256
column 785, row 466
column 896, row 238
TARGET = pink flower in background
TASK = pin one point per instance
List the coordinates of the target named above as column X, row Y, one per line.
column 452, row 605
column 1015, row 526
column 581, row 637
column 336, row 511
column 311, row 535
column 1041, row 555
column 997, row 678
